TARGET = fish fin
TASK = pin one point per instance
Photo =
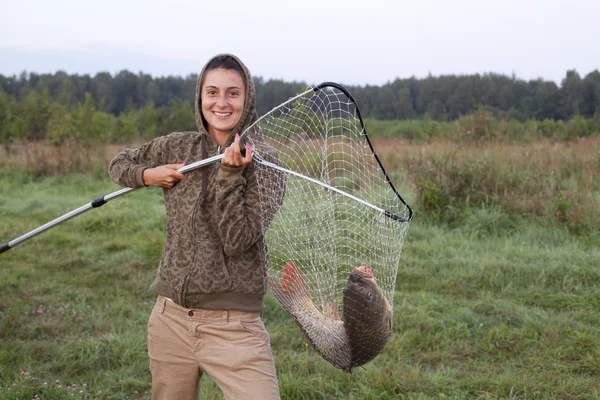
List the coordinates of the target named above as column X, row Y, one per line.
column 280, row 293
column 336, row 316
column 292, row 282
column 330, row 310
column 274, row 284
column 291, row 290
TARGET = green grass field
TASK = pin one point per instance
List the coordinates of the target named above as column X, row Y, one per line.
column 497, row 307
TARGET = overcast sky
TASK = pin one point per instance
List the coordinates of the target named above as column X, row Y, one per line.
column 372, row 42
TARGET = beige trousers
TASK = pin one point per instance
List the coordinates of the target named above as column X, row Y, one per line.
column 233, row 347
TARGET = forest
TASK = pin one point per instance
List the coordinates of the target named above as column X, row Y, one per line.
column 127, row 106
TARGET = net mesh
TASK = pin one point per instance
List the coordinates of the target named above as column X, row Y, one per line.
column 331, row 247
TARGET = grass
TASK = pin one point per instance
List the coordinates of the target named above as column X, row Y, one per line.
column 558, row 181
column 499, row 306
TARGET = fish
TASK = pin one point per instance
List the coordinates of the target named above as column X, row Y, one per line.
column 347, row 342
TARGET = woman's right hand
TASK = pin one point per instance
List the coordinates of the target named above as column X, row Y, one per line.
column 165, row 176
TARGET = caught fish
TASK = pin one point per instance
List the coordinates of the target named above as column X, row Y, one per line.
column 347, row 342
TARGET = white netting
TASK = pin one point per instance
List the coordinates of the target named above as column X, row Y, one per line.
column 339, row 212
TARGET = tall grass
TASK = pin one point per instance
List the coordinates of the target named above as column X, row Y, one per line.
column 42, row 158
column 483, row 125
column 557, row 181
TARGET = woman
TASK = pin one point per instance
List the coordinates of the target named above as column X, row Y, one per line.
column 212, row 276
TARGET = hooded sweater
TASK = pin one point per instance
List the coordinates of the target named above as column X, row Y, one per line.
column 214, row 255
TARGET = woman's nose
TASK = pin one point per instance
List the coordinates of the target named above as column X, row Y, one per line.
column 222, row 101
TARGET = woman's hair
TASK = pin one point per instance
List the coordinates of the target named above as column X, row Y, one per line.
column 225, row 62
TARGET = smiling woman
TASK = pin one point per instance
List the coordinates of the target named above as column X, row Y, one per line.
column 212, row 276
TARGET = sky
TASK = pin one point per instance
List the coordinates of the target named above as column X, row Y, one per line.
column 353, row 42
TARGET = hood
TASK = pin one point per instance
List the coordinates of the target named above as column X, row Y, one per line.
column 249, row 114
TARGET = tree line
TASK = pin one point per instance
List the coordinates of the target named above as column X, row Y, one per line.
column 126, row 106
column 442, row 98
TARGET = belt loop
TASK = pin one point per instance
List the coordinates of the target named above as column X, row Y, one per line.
column 226, row 316
column 160, row 304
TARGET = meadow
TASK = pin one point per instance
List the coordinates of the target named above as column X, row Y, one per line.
column 497, row 294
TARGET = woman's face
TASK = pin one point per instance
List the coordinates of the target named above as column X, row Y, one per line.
column 223, row 95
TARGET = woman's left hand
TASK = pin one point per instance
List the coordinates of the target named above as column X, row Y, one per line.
column 232, row 156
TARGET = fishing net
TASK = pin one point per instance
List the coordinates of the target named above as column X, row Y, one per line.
column 329, row 207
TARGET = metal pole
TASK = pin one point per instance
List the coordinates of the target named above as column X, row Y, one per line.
column 329, row 187
column 97, row 202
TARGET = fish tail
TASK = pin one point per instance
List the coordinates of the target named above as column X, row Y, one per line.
column 293, row 282
column 292, row 289
column 330, row 310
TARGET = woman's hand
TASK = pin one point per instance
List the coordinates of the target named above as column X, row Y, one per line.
column 232, row 156
column 165, row 176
